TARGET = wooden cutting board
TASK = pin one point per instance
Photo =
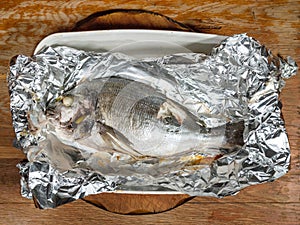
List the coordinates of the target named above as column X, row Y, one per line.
column 132, row 19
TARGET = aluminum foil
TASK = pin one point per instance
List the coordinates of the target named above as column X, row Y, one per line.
column 239, row 81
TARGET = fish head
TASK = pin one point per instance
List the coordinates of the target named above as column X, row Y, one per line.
column 76, row 113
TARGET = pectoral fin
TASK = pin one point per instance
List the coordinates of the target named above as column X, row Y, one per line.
column 116, row 140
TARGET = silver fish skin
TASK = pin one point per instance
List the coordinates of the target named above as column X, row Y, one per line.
column 133, row 118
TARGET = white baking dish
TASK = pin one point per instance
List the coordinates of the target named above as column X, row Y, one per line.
column 136, row 43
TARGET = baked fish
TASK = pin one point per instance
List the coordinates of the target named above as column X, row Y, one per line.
column 133, row 118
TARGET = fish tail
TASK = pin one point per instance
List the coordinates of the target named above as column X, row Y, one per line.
column 234, row 133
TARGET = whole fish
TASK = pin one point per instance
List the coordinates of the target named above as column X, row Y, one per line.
column 132, row 118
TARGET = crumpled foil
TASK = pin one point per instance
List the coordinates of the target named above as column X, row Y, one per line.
column 239, row 81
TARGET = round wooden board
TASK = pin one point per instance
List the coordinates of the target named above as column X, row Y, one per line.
column 123, row 203
column 132, row 19
column 129, row 19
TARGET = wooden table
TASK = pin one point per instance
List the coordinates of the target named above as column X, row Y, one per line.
column 276, row 24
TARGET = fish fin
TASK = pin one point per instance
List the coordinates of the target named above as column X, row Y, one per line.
column 116, row 140
column 169, row 109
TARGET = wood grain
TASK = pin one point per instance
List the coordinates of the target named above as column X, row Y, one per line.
column 276, row 24
column 190, row 213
